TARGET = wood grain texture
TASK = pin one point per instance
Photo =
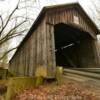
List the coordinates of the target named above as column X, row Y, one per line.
column 38, row 49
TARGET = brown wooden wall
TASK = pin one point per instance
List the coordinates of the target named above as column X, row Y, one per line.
column 66, row 15
column 31, row 53
column 38, row 49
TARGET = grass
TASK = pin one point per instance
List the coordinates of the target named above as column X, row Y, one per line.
column 18, row 84
column 4, row 82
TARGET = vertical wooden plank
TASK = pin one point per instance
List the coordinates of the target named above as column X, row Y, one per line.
column 53, row 58
column 25, row 60
column 38, row 47
column 44, row 44
column 47, row 42
column 34, row 51
column 28, row 56
column 31, row 56
column 66, row 16
column 50, row 48
column 40, row 43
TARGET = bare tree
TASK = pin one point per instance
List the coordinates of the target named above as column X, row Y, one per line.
column 13, row 25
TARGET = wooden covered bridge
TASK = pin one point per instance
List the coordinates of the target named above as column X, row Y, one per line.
column 62, row 35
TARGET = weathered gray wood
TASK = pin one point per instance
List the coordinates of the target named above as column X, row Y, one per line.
column 38, row 48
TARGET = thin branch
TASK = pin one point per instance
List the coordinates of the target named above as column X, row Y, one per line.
column 16, row 27
column 14, row 36
column 7, row 52
column 22, row 17
column 18, row 32
column 1, row 21
column 9, row 17
column 22, row 1
column 29, row 7
column 8, row 38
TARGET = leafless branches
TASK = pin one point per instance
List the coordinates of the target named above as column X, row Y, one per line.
column 1, row 21
column 14, row 24
column 6, row 52
column 7, row 32
column 6, row 23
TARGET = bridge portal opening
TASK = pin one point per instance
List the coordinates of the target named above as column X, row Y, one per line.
column 73, row 47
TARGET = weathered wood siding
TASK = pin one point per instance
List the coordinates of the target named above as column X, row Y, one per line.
column 38, row 49
column 87, row 52
column 31, row 54
column 66, row 15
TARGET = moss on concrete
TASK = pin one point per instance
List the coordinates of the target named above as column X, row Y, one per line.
column 18, row 84
column 59, row 72
column 41, row 71
column 3, row 73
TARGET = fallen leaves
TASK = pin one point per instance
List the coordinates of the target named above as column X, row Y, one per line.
column 66, row 91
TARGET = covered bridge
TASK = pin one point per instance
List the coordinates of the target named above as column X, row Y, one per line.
column 62, row 35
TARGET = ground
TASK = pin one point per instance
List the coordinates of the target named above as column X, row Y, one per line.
column 3, row 88
column 67, row 90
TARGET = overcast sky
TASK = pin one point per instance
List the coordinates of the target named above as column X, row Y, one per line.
column 8, row 5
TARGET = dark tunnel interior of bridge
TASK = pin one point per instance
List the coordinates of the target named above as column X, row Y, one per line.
column 68, row 41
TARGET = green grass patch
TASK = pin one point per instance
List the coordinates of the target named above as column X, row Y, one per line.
column 18, row 84
column 3, row 73
column 4, row 82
